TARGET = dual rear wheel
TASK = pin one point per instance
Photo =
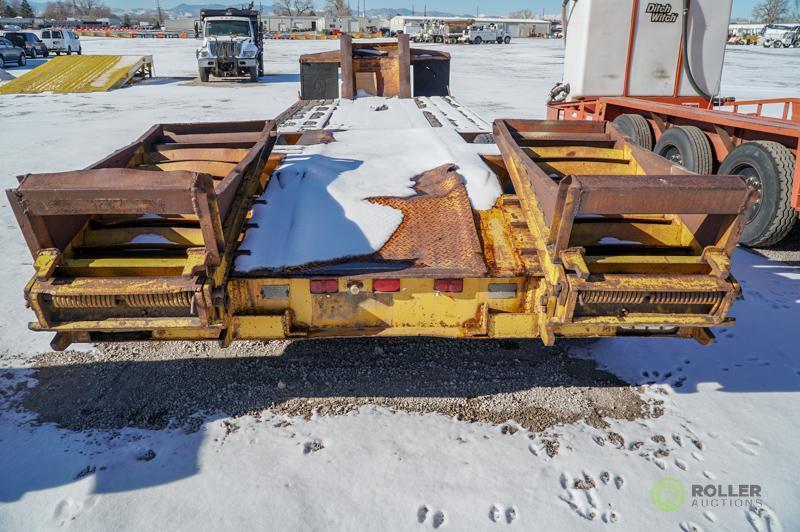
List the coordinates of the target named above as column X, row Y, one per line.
column 768, row 167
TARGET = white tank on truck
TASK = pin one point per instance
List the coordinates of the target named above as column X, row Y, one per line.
column 642, row 54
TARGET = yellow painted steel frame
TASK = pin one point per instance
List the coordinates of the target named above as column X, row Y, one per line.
column 274, row 308
column 529, row 294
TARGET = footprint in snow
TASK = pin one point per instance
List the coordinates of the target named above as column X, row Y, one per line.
column 581, row 495
column 673, row 378
column 427, row 515
column 70, row 509
column 762, row 518
column 498, row 515
column 688, row 526
column 746, row 446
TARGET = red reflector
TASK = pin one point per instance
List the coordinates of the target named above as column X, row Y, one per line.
column 386, row 285
column 329, row 286
column 454, row 286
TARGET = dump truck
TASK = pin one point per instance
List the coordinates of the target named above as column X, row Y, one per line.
column 233, row 44
column 399, row 214
column 659, row 80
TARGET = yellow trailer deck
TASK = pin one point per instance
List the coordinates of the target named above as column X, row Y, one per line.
column 87, row 73
column 382, row 217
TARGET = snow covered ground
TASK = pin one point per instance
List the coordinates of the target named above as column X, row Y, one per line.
column 729, row 416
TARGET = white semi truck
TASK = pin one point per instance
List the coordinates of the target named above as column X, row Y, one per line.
column 232, row 44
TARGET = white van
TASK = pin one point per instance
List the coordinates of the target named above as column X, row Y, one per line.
column 61, row 40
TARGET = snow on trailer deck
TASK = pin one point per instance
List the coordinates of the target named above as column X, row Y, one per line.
column 320, row 205
column 92, row 447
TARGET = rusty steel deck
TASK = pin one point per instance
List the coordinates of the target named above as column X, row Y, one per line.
column 592, row 237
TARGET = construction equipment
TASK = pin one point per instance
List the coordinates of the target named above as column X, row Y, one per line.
column 655, row 70
column 380, row 216
column 561, row 254
column 87, row 73
column 443, row 31
column 233, row 44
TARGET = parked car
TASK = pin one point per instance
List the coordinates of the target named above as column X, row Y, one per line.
column 30, row 42
column 10, row 53
column 61, row 41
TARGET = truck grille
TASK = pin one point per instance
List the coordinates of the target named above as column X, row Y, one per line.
column 225, row 48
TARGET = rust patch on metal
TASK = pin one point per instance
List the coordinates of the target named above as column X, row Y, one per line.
column 438, row 230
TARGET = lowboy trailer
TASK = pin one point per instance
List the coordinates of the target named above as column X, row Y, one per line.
column 520, row 229
column 144, row 245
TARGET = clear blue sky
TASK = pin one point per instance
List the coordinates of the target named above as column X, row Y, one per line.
column 741, row 8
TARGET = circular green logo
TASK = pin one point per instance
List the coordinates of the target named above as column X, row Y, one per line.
column 668, row 494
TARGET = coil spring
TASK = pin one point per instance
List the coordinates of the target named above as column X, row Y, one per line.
column 618, row 298
column 654, row 298
column 182, row 299
column 686, row 298
column 65, row 302
column 177, row 300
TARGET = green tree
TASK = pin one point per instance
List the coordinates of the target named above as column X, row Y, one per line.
column 25, row 10
column 10, row 11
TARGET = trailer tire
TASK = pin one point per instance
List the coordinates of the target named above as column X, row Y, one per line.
column 637, row 128
column 768, row 167
column 204, row 74
column 687, row 146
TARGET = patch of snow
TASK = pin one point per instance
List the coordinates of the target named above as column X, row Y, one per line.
column 729, row 407
column 317, row 206
column 125, row 62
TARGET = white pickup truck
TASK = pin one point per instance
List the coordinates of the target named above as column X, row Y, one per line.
column 232, row 44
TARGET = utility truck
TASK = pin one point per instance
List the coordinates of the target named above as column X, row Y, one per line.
column 486, row 33
column 443, row 31
column 655, row 70
column 232, row 44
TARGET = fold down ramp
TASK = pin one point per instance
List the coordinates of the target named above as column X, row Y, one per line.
column 88, row 73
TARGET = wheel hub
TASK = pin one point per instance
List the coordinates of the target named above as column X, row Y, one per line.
column 754, row 181
column 673, row 154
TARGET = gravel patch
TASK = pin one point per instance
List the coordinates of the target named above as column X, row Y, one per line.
column 787, row 251
column 154, row 386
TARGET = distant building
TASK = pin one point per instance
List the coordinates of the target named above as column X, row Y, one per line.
column 516, row 27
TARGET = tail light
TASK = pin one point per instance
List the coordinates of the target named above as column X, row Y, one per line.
column 452, row 286
column 327, row 286
column 386, row 285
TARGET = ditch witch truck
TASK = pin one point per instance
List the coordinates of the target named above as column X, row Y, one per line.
column 232, row 44
column 520, row 229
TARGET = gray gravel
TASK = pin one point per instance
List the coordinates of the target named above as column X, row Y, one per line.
column 158, row 385
column 787, row 251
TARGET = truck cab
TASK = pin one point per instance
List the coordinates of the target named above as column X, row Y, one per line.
column 232, row 45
